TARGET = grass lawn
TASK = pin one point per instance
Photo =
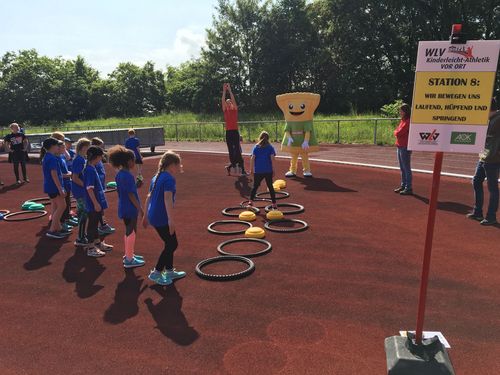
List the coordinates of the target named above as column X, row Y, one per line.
column 209, row 127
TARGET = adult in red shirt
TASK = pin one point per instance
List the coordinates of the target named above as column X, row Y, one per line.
column 230, row 109
column 404, row 155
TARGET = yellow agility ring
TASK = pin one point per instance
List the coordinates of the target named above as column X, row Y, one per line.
column 255, row 232
column 274, row 215
column 280, row 183
column 247, row 216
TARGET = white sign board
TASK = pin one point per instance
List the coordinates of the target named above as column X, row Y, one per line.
column 452, row 95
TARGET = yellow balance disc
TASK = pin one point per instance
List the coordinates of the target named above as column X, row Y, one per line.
column 247, row 216
column 276, row 187
column 274, row 215
column 280, row 183
column 255, row 232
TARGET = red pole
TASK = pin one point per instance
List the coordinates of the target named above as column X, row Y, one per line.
column 424, row 281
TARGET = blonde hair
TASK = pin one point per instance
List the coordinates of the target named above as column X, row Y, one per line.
column 15, row 125
column 82, row 142
column 58, row 135
column 131, row 132
column 167, row 159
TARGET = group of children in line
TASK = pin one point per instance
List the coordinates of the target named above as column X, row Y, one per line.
column 81, row 174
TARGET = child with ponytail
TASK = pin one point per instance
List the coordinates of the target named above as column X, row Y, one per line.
column 129, row 207
column 262, row 168
column 160, row 214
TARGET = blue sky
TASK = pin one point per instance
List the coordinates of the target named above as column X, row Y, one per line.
column 107, row 32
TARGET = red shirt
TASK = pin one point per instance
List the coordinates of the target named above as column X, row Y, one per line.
column 231, row 119
column 401, row 133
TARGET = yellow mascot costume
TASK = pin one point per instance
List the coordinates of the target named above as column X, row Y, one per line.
column 299, row 139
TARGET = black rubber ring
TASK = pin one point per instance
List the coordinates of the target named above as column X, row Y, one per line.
column 251, row 255
column 44, row 201
column 279, row 194
column 264, row 203
column 211, row 230
column 227, row 211
column 268, row 224
column 41, row 213
column 226, row 277
column 4, row 212
column 299, row 208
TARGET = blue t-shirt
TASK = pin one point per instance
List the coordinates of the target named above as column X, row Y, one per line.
column 78, row 166
column 125, row 182
column 65, row 170
column 69, row 162
column 157, row 213
column 262, row 161
column 132, row 144
column 101, row 172
column 91, row 180
column 51, row 163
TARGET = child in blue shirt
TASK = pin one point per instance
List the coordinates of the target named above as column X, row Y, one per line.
column 133, row 143
column 78, row 189
column 53, row 185
column 160, row 214
column 261, row 164
column 104, row 227
column 95, row 202
column 129, row 207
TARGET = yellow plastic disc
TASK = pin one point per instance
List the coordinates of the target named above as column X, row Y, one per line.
column 276, row 187
column 255, row 232
column 247, row 216
column 280, row 183
column 274, row 215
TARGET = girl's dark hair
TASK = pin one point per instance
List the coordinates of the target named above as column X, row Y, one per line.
column 120, row 156
column 96, row 141
column 406, row 109
column 47, row 145
column 166, row 160
column 94, row 152
column 263, row 139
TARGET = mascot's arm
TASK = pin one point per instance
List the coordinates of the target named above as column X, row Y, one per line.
column 307, row 136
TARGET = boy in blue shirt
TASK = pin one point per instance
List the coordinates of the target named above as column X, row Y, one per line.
column 133, row 143
column 95, row 202
column 261, row 166
column 78, row 188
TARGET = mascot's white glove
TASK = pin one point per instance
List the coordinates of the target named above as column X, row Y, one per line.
column 290, row 141
column 305, row 145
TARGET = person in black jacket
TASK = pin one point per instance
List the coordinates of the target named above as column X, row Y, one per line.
column 17, row 144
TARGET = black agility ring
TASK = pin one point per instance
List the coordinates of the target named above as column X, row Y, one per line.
column 41, row 213
column 304, row 226
column 279, row 194
column 221, row 222
column 298, row 208
column 4, row 212
column 251, row 255
column 264, row 203
column 227, row 211
column 225, row 277
column 44, row 201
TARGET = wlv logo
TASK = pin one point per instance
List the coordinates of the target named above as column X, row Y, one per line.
column 429, row 138
column 463, row 138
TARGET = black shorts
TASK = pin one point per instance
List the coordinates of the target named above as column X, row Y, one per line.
column 53, row 195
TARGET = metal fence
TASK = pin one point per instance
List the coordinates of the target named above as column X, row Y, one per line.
column 360, row 130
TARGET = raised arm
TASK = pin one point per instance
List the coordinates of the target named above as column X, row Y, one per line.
column 223, row 99
column 232, row 96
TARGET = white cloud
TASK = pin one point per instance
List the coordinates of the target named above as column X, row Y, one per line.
column 186, row 45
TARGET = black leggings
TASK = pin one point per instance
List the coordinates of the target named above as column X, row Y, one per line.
column 257, row 179
column 65, row 216
column 130, row 225
column 19, row 157
column 234, row 148
column 166, row 259
column 93, row 223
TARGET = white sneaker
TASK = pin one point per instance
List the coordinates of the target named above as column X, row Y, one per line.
column 290, row 174
column 95, row 253
column 308, row 174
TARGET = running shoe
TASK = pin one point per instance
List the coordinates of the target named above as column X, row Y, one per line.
column 106, row 229
column 72, row 223
column 81, row 242
column 135, row 256
column 95, row 253
column 58, row 235
column 307, row 174
column 290, row 174
column 488, row 222
column 159, row 278
column 173, row 274
column 406, row 192
column 66, row 227
column 19, row 182
column 473, row 216
column 27, row 180
column 103, row 246
column 399, row 189
column 135, row 262
column 228, row 170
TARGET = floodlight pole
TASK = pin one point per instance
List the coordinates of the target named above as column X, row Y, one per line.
column 424, row 280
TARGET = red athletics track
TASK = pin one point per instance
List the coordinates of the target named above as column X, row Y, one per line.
column 321, row 302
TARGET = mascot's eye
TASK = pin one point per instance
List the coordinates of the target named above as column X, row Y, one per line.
column 302, row 106
column 290, row 106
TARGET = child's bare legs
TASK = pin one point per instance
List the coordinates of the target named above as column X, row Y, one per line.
column 58, row 206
